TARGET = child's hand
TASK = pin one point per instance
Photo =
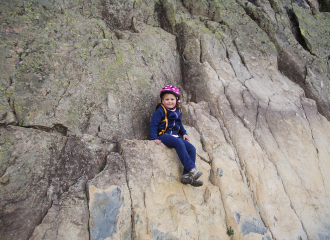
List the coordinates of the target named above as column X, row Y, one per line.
column 185, row 137
column 157, row 141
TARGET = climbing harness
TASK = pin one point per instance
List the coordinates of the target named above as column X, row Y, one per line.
column 165, row 120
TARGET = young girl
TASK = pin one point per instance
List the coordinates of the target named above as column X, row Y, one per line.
column 165, row 125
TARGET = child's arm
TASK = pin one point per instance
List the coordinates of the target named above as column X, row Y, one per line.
column 155, row 120
column 183, row 131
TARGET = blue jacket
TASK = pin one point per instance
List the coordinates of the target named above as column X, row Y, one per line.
column 174, row 123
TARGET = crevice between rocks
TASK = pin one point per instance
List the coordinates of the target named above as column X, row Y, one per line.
column 222, row 198
column 228, row 57
column 57, row 128
column 313, row 141
column 234, row 111
column 265, row 152
column 225, row 133
column 295, row 29
column 242, row 61
column 277, row 172
column 65, row 92
column 212, row 172
column 311, row 94
column 324, row 6
column 256, row 122
column 241, row 165
column 130, row 194
column 201, row 51
column 49, row 194
column 89, row 213
column 162, row 17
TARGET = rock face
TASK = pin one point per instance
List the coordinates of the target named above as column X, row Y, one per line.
column 81, row 79
column 43, row 173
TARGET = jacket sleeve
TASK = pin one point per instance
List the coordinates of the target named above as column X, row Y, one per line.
column 155, row 121
column 182, row 131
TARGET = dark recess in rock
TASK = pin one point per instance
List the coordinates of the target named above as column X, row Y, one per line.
column 295, row 29
column 324, row 5
column 162, row 18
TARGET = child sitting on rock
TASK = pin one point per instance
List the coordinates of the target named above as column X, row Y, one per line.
column 166, row 124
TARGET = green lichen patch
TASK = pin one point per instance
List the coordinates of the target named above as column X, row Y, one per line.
column 315, row 30
column 168, row 16
column 197, row 7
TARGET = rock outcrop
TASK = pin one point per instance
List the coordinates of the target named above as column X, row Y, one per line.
column 80, row 81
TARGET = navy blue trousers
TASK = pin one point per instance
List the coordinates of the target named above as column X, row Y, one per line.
column 185, row 150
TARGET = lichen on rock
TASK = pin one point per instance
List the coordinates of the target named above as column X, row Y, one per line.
column 81, row 79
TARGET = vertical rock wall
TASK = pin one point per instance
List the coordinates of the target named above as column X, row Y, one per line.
column 80, row 80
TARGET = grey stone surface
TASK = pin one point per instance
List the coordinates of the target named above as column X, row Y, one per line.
column 105, row 214
column 157, row 235
column 68, row 219
column 80, row 77
column 110, row 202
column 220, row 172
column 37, row 168
column 255, row 226
column 324, row 236
column 237, row 217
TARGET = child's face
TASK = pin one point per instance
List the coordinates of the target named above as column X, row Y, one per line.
column 169, row 100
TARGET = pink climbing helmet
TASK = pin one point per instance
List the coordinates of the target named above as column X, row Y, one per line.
column 170, row 89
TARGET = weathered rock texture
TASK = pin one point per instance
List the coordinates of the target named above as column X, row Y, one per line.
column 80, row 81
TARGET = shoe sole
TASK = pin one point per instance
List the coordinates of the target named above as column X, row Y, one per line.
column 193, row 183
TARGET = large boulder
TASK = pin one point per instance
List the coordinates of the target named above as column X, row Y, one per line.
column 68, row 218
column 164, row 208
column 37, row 169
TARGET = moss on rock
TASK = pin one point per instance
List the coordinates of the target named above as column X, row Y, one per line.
column 314, row 29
